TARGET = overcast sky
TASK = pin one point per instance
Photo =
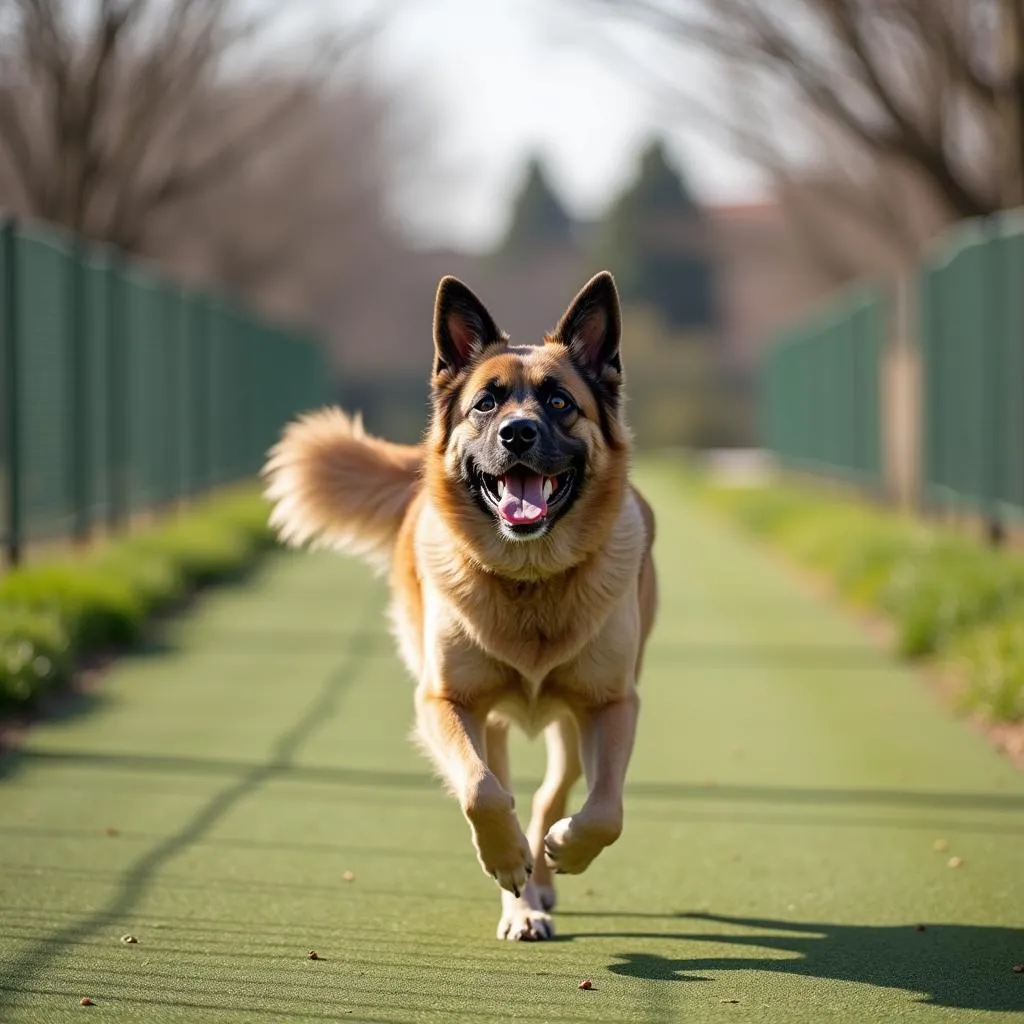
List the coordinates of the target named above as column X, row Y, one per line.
column 503, row 78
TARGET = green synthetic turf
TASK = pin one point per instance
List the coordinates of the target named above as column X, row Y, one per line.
column 788, row 785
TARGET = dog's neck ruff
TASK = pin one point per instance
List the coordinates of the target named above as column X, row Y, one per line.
column 554, row 556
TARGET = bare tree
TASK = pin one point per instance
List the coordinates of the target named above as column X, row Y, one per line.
column 866, row 96
column 301, row 227
column 115, row 111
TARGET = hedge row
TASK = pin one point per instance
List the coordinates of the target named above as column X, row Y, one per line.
column 946, row 596
column 55, row 613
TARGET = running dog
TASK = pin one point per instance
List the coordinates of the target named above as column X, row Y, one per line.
column 522, row 582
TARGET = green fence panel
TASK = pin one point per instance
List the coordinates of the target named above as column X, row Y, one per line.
column 45, row 380
column 10, row 420
column 972, row 348
column 124, row 392
column 144, row 328
column 820, row 390
column 97, row 287
column 193, row 424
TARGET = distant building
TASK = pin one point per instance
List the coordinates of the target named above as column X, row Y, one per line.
column 778, row 258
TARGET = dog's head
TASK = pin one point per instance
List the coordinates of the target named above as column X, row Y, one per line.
column 529, row 446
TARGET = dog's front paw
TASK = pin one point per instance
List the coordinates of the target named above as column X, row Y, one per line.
column 572, row 843
column 502, row 848
column 505, row 855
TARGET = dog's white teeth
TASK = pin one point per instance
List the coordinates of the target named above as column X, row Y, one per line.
column 501, row 487
column 549, row 487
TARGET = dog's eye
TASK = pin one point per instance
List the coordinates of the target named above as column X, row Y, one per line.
column 485, row 403
column 559, row 402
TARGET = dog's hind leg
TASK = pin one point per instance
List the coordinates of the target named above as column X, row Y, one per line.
column 523, row 918
column 563, row 747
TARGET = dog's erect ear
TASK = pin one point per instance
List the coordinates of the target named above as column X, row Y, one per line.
column 592, row 326
column 462, row 327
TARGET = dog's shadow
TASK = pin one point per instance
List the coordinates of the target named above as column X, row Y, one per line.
column 967, row 967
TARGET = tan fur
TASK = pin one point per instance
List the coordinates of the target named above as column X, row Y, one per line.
column 547, row 634
column 335, row 486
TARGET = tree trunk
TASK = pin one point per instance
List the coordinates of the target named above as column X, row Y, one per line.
column 1011, row 102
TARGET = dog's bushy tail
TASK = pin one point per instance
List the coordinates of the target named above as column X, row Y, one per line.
column 332, row 485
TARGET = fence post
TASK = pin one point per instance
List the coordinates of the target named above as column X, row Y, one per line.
column 1012, row 275
column 994, row 384
column 173, row 361
column 213, row 397
column 78, row 396
column 117, row 397
column 11, row 460
column 901, row 368
column 201, row 384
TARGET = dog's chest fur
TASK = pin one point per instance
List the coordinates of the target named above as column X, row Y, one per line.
column 525, row 646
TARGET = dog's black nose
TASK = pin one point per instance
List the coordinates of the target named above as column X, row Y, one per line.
column 518, row 436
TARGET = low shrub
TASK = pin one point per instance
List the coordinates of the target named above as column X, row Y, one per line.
column 990, row 659
column 949, row 587
column 944, row 594
column 56, row 612
column 98, row 608
column 35, row 656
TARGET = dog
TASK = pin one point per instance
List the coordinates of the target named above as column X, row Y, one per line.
column 522, row 581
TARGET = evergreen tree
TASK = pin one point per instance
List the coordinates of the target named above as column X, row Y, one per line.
column 654, row 238
column 538, row 221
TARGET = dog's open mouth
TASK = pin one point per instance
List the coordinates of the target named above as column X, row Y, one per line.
column 524, row 498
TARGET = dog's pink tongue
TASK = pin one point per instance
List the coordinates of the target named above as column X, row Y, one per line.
column 523, row 500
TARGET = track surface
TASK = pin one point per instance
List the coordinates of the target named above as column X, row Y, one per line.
column 789, row 785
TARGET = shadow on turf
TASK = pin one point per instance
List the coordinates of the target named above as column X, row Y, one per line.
column 809, row 796
column 140, row 874
column 964, row 967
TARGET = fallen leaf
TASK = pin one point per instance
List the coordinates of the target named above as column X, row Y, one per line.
column 313, row 955
column 129, row 939
column 919, row 928
column 586, row 984
column 1018, row 968
column 348, row 876
column 955, row 862
column 86, row 1001
column 728, row 1000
